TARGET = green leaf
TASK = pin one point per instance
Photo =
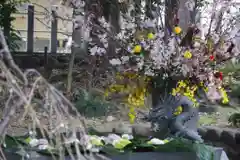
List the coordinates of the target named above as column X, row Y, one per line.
column 110, row 150
column 48, row 152
column 203, row 151
column 13, row 142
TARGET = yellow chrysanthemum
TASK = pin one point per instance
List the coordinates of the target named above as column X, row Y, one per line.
column 137, row 49
column 187, row 55
column 177, row 30
column 178, row 110
column 150, row 36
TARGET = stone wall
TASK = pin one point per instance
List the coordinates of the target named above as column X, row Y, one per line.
column 227, row 138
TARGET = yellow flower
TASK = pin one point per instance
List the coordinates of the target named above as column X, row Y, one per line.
column 137, row 49
column 120, row 144
column 150, row 36
column 131, row 117
column 225, row 99
column 165, row 141
column 132, row 114
column 181, row 84
column 174, row 92
column 106, row 93
column 178, row 110
column 177, row 30
column 187, row 55
column 28, row 140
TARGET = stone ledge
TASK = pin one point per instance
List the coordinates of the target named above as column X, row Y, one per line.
column 209, row 133
column 227, row 138
column 226, row 135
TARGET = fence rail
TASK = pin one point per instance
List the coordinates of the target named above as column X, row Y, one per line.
column 55, row 46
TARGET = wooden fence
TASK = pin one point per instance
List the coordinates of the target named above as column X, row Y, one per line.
column 54, row 43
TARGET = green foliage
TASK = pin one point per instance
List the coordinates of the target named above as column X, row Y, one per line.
column 234, row 120
column 232, row 73
column 231, row 68
column 91, row 104
column 7, row 9
column 203, row 151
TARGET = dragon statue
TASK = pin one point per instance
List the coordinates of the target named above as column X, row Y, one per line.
column 184, row 124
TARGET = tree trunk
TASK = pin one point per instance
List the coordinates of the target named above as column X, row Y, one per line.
column 149, row 8
column 115, row 27
column 184, row 16
column 77, row 48
column 137, row 11
column 171, row 12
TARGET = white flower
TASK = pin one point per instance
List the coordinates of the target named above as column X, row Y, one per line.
column 14, row 81
column 149, row 23
column 165, row 75
column 33, row 142
column 156, row 141
column 105, row 44
column 127, row 136
column 125, row 59
column 103, row 22
column 31, row 133
column 149, row 73
column 10, row 90
column 115, row 62
column 42, row 142
column 213, row 94
column 89, row 146
column 42, row 147
column 96, row 141
column 97, row 50
column 111, row 138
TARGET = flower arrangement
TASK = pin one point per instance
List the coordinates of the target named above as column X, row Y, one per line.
column 145, row 49
column 193, row 67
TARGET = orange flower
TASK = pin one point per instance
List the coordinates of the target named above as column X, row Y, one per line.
column 177, row 30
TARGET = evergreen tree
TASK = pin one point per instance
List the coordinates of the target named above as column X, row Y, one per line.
column 7, row 9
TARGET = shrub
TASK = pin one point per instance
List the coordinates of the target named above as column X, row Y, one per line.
column 92, row 105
